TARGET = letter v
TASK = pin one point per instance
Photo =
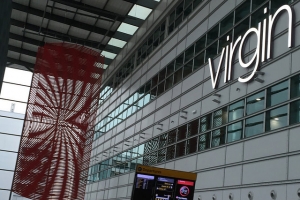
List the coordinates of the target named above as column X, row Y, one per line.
column 215, row 79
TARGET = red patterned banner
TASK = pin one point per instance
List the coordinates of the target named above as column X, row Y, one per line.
column 58, row 130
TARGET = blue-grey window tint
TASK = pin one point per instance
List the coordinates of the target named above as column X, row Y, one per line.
column 255, row 102
column 236, row 111
column 276, row 118
column 204, row 141
column 205, row 123
column 220, row 117
column 295, row 112
column 254, row 125
column 295, row 86
column 242, row 11
column 218, row 137
column 235, row 131
column 277, row 94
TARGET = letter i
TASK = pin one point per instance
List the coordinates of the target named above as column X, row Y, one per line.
column 226, row 61
column 264, row 39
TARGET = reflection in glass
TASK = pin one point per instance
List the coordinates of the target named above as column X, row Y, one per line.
column 172, row 137
column 199, row 60
column 170, row 152
column 204, row 141
column 191, row 146
column 163, row 140
column 200, row 44
column 218, row 137
column 213, row 34
column 242, row 11
column 276, row 118
column 277, row 93
column 205, row 123
column 240, row 29
column 189, row 53
column 259, row 15
column 193, row 128
column 161, row 156
column 220, row 117
column 255, row 102
column 236, row 111
column 254, row 125
column 235, row 131
column 226, row 23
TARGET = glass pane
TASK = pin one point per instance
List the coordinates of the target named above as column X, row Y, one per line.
column 295, row 112
column 172, row 137
column 182, row 132
column 178, row 76
column 242, row 11
column 256, row 4
column 179, row 61
column 170, row 68
column 191, row 146
column 240, row 29
column 200, row 44
column 163, row 140
column 254, row 125
column 213, row 34
column 276, row 118
column 169, row 83
column 295, row 86
column 218, row 137
column 17, row 76
column 189, row 53
column 151, row 145
column 226, row 23
column 199, row 60
column 235, row 131
column 188, row 68
column 162, row 74
column 255, row 102
column 259, row 16
column 204, row 141
column 277, row 93
column 160, row 88
column 220, row 117
column 170, row 152
column 180, row 149
column 14, row 92
column 236, row 111
column 211, row 51
column 205, row 123
column 193, row 128
column 224, row 41
column 161, row 157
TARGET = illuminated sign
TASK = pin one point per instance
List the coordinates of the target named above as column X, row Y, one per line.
column 153, row 183
column 264, row 34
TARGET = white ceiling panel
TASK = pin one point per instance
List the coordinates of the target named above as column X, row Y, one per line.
column 85, row 19
column 96, row 37
column 23, row 2
column 16, row 30
column 40, row 4
column 34, row 36
column 18, row 15
column 30, row 47
column 115, row 7
column 37, row 21
column 28, row 59
column 104, row 24
column 15, row 43
column 63, row 11
column 12, row 54
column 77, row 32
column 139, row 12
column 52, row 40
column 58, row 27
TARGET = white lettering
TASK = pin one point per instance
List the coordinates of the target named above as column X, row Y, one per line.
column 214, row 80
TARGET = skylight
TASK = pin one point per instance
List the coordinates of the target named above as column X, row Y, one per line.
column 139, row 12
column 116, row 43
column 108, row 54
column 127, row 28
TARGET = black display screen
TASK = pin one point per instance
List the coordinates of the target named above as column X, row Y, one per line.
column 150, row 187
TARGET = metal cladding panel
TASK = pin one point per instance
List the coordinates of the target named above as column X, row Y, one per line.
column 58, row 130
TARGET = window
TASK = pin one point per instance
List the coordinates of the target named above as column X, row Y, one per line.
column 255, row 102
column 218, row 137
column 199, row 60
column 226, row 24
column 259, row 15
column 213, row 34
column 204, row 141
column 254, row 125
column 205, row 123
column 240, row 29
column 242, row 11
column 170, row 152
column 235, row 131
column 161, row 156
column 193, row 128
column 220, row 117
column 172, row 137
column 189, row 53
column 200, row 44
column 276, row 118
column 277, row 94
column 191, row 146
column 236, row 111
column 295, row 86
column 163, row 140
column 295, row 112
column 180, row 149
column 181, row 133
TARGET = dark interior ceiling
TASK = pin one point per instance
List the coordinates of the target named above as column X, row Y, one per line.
column 91, row 23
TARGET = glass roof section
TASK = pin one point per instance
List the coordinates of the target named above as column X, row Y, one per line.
column 139, row 12
column 127, row 28
column 117, row 43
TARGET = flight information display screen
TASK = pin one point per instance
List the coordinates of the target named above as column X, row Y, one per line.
column 161, row 184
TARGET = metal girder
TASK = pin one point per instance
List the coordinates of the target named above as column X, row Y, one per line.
column 136, row 22
column 148, row 4
column 61, row 19
column 22, row 51
column 27, row 65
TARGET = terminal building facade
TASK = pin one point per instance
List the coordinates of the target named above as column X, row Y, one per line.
column 205, row 86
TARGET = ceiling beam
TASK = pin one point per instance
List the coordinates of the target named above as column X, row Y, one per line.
column 91, row 9
column 148, row 4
